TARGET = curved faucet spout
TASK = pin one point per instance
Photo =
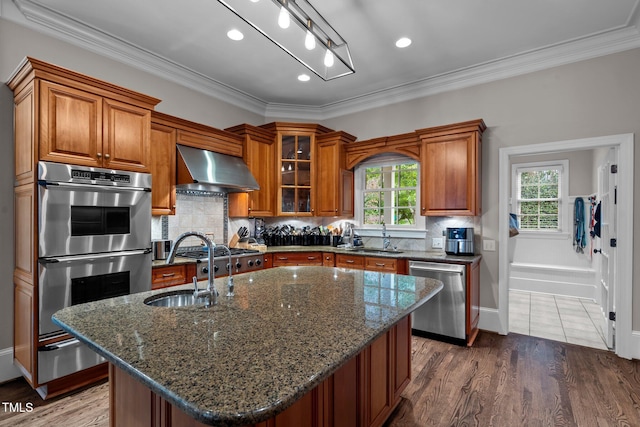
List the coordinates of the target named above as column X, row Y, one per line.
column 211, row 290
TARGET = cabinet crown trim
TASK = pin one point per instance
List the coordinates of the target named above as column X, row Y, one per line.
column 31, row 68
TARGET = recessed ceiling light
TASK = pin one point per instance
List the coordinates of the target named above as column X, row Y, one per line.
column 235, row 35
column 304, row 77
column 403, row 42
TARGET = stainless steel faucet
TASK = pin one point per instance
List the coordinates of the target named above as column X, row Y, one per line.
column 230, row 279
column 210, row 292
column 386, row 238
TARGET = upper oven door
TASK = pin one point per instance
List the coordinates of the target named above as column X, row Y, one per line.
column 85, row 218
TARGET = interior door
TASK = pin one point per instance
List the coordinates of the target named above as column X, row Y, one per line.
column 607, row 185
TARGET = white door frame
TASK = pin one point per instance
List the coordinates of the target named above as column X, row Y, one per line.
column 624, row 282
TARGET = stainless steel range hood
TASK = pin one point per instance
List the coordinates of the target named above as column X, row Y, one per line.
column 205, row 170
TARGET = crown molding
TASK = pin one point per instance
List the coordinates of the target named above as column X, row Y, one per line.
column 45, row 20
column 614, row 41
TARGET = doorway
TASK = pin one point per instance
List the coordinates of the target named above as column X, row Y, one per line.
column 622, row 270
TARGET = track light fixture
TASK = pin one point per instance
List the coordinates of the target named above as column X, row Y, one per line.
column 273, row 18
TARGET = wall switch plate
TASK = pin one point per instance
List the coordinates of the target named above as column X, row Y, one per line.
column 437, row 243
column 488, row 245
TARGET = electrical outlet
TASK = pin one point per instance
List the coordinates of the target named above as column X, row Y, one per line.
column 488, row 245
column 437, row 243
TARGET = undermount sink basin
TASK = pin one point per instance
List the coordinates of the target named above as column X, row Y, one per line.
column 378, row 251
column 174, row 299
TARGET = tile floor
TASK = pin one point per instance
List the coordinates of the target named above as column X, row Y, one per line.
column 559, row 318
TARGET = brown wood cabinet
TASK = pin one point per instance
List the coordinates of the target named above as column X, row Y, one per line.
column 328, row 259
column 260, row 156
column 297, row 258
column 171, row 275
column 80, row 127
column 68, row 117
column 473, row 301
column 350, row 261
column 381, row 264
column 361, row 393
column 334, row 181
column 451, row 169
column 163, row 169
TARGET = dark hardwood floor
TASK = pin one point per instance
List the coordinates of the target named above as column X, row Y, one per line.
column 512, row 380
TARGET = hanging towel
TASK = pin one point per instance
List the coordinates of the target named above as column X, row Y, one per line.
column 580, row 238
column 596, row 222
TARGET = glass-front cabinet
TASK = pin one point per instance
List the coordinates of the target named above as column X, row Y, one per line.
column 297, row 172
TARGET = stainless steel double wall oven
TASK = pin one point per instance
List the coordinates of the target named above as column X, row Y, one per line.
column 94, row 233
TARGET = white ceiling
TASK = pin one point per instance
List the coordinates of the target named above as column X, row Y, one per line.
column 456, row 43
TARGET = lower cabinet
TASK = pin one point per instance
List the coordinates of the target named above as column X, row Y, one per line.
column 362, row 393
column 171, row 275
column 297, row 258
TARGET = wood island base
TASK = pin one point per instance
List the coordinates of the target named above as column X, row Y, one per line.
column 362, row 392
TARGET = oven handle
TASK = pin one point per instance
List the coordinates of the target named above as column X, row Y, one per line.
column 58, row 345
column 79, row 258
column 74, row 185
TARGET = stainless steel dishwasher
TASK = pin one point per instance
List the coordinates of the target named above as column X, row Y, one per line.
column 443, row 316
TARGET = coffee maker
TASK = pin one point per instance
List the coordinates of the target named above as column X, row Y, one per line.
column 459, row 241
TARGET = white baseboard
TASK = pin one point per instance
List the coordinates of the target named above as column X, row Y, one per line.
column 489, row 320
column 635, row 345
column 7, row 370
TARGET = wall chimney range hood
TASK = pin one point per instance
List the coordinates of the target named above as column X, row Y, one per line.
column 204, row 170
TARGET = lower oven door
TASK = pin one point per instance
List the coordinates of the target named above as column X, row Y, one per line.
column 64, row 358
column 67, row 281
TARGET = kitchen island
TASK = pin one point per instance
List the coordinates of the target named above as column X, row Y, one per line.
column 303, row 345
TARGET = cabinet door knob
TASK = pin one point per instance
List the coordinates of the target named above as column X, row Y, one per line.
column 107, row 156
column 98, row 155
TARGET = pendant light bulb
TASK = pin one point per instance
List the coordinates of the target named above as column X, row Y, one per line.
column 283, row 18
column 310, row 41
column 328, row 58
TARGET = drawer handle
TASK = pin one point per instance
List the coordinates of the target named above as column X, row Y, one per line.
column 168, row 274
column 380, row 264
column 350, row 261
column 311, row 258
column 283, row 258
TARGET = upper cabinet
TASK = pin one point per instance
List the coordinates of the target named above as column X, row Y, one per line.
column 334, row 181
column 451, row 169
column 301, row 170
column 260, row 156
column 84, row 121
column 163, row 169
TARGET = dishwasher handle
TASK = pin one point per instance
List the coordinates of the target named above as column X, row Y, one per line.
column 444, row 268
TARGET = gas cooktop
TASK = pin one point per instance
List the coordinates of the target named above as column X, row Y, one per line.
column 219, row 252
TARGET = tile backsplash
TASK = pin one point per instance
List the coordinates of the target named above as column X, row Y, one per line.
column 207, row 213
column 194, row 212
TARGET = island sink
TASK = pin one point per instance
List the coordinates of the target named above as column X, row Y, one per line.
column 174, row 299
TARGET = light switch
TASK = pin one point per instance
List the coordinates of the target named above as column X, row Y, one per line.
column 488, row 245
column 437, row 243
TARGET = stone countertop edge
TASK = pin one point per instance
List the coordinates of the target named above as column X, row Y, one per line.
column 401, row 254
column 84, row 322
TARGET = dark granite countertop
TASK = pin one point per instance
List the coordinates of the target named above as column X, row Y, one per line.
column 251, row 356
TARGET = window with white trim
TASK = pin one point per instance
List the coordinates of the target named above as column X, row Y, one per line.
column 539, row 193
column 387, row 190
